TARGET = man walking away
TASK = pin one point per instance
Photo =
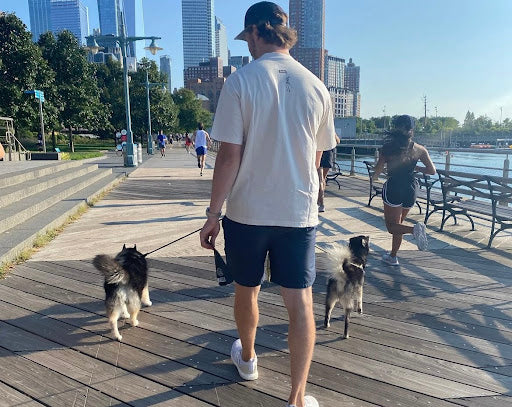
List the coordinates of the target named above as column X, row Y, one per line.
column 201, row 141
column 274, row 118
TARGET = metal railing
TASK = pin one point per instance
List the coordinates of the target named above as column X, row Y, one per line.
column 12, row 146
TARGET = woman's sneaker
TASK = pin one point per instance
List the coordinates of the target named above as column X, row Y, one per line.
column 388, row 259
column 309, row 401
column 420, row 234
column 247, row 370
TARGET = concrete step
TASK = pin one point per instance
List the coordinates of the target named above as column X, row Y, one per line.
column 14, row 177
column 32, row 205
column 22, row 236
column 13, row 193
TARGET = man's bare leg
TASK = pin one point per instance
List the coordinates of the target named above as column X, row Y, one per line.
column 301, row 339
column 246, row 317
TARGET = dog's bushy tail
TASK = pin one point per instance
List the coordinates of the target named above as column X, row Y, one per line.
column 113, row 272
column 337, row 255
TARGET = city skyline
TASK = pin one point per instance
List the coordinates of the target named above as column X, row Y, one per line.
column 456, row 52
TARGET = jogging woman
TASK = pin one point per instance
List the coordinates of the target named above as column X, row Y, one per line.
column 400, row 155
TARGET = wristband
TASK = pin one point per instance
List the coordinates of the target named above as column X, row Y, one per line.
column 216, row 215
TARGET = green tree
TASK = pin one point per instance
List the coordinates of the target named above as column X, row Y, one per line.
column 469, row 120
column 164, row 112
column 78, row 92
column 23, row 68
column 191, row 111
column 110, row 82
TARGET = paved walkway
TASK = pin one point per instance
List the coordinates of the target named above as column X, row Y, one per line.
column 437, row 331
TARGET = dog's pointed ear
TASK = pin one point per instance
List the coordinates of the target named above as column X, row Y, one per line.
column 124, row 247
column 135, row 247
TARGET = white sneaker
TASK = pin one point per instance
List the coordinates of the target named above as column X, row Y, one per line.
column 309, row 401
column 388, row 259
column 420, row 234
column 247, row 370
column 321, row 208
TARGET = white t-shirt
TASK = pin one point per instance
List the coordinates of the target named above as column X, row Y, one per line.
column 200, row 139
column 282, row 115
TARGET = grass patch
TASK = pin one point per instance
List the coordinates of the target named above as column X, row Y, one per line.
column 81, row 155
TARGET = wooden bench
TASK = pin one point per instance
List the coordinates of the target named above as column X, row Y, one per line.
column 475, row 196
column 333, row 174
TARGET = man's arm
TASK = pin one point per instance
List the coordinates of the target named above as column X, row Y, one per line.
column 226, row 169
column 318, row 159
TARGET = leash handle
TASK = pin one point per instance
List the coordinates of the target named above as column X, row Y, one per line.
column 174, row 241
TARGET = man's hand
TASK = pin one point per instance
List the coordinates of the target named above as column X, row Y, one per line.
column 209, row 233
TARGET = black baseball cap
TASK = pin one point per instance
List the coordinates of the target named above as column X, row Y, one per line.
column 262, row 12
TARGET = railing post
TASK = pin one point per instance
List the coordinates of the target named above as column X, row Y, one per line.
column 353, row 162
column 506, row 167
column 447, row 165
column 376, row 154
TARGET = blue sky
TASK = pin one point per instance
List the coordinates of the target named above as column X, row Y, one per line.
column 456, row 52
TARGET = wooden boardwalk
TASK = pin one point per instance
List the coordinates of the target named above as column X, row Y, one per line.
column 436, row 331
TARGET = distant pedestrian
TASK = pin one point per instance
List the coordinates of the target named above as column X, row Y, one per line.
column 400, row 155
column 188, row 143
column 201, row 140
column 326, row 163
column 162, row 139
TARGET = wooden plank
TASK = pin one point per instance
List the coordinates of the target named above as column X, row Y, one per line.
column 10, row 397
column 49, row 387
column 493, row 401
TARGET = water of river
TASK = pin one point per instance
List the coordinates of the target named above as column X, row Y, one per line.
column 475, row 163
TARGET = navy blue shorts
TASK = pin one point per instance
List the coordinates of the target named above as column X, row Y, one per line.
column 327, row 159
column 201, row 150
column 291, row 252
column 400, row 194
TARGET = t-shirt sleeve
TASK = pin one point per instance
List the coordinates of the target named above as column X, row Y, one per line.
column 325, row 139
column 228, row 123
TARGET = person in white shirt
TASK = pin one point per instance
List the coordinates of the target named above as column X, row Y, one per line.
column 274, row 118
column 201, row 140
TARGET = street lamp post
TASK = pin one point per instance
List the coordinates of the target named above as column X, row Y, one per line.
column 129, row 158
column 148, row 86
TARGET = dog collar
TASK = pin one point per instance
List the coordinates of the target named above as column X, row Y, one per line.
column 358, row 265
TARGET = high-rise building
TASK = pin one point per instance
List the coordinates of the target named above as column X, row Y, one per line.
column 206, row 71
column 352, row 76
column 238, row 61
column 40, row 21
column 334, row 75
column 71, row 15
column 165, row 67
column 110, row 14
column 134, row 19
column 198, row 20
column 308, row 18
column 221, row 41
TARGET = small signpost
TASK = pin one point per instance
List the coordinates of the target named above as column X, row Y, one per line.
column 39, row 94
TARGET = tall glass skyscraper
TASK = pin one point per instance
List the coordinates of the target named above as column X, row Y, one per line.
column 110, row 14
column 221, row 41
column 134, row 18
column 198, row 20
column 308, row 18
column 165, row 67
column 70, row 15
column 118, row 16
column 40, row 22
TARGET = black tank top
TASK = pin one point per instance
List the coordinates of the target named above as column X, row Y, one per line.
column 401, row 167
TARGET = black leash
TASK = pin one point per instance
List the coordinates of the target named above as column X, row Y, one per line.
column 174, row 241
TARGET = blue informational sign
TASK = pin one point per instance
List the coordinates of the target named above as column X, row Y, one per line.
column 39, row 94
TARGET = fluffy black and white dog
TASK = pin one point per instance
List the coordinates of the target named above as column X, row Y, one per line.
column 126, row 285
column 346, row 282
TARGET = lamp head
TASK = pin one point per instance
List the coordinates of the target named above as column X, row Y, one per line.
column 153, row 48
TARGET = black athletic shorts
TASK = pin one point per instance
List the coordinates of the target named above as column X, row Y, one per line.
column 327, row 160
column 399, row 193
column 291, row 252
